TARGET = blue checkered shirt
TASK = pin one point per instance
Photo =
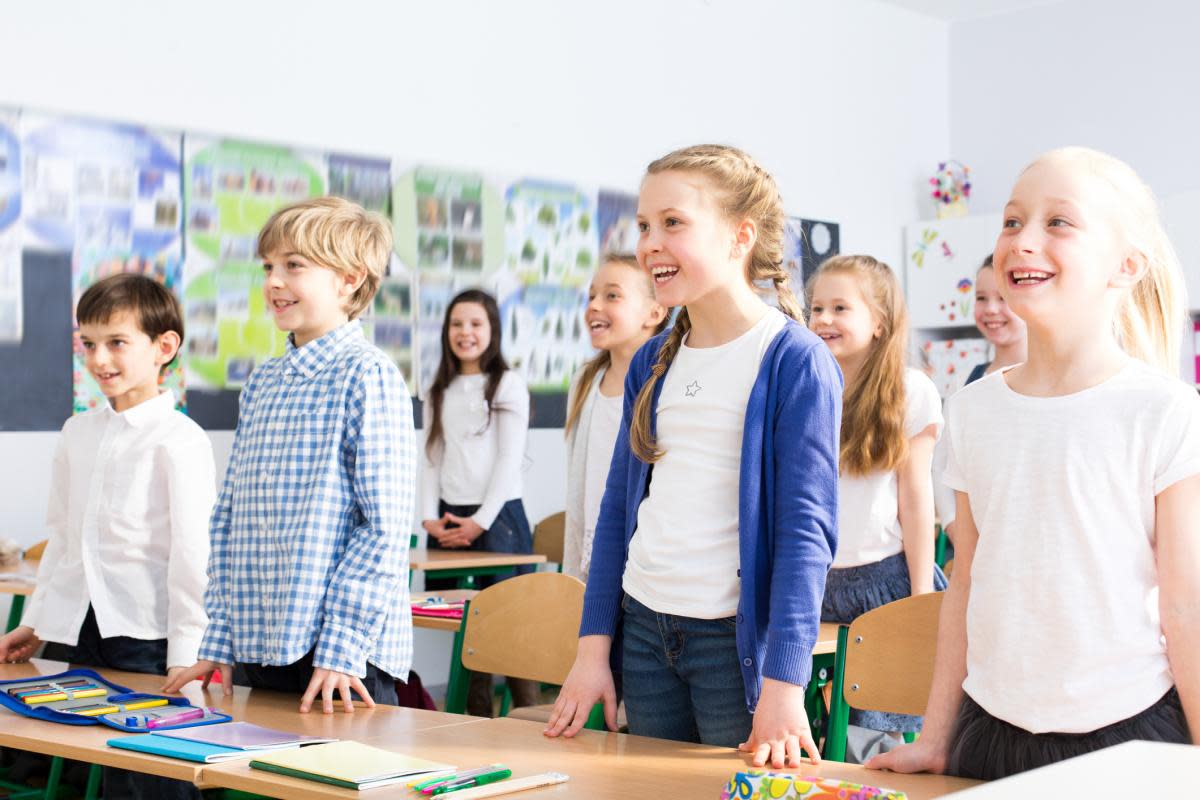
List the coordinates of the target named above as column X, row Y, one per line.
column 310, row 533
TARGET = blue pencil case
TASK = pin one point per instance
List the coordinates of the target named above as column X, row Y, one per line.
column 83, row 697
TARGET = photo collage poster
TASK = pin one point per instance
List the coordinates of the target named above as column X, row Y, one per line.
column 389, row 320
column 11, row 300
column 230, row 189
column 109, row 194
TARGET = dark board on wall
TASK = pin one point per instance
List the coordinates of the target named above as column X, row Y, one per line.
column 37, row 386
column 36, row 392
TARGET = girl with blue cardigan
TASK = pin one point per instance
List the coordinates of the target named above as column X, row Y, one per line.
column 719, row 519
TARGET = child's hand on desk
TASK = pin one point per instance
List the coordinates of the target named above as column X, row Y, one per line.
column 589, row 681
column 325, row 681
column 178, row 677
column 459, row 531
column 780, row 734
column 920, row 756
column 19, row 644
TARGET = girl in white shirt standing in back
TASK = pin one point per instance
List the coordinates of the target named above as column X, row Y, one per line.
column 476, row 419
column 891, row 416
column 621, row 316
column 1072, row 621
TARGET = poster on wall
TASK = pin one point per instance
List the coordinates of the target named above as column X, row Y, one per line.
column 108, row 193
column 449, row 236
column 366, row 181
column 230, row 189
column 11, row 325
column 941, row 259
column 949, row 361
column 616, row 221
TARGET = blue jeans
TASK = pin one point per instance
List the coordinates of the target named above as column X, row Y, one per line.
column 681, row 678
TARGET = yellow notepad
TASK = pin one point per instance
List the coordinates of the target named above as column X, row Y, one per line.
column 349, row 764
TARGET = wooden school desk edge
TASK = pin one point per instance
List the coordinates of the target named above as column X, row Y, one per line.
column 424, row 559
column 662, row 768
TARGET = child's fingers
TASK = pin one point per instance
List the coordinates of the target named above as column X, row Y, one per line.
column 327, row 687
column 343, row 688
column 762, row 752
column 226, row 671
column 564, row 710
column 362, row 692
column 809, row 745
column 310, row 694
column 610, row 709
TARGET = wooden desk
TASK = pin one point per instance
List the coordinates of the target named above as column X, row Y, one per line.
column 272, row 709
column 449, row 624
column 601, row 765
column 19, row 589
column 421, row 558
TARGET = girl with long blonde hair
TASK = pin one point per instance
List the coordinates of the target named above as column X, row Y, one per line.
column 719, row 521
column 891, row 417
column 1072, row 621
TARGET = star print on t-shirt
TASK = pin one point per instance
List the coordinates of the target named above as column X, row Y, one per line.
column 692, row 388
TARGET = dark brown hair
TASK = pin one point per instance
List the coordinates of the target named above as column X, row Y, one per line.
column 491, row 363
column 154, row 307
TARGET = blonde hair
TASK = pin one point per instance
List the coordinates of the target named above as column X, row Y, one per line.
column 1149, row 320
column 603, row 359
column 335, row 234
column 874, row 405
column 744, row 191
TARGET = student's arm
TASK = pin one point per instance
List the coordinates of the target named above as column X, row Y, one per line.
column 914, row 481
column 1177, row 536
column 510, row 415
column 22, row 642
column 930, row 751
column 807, row 423
column 431, row 481
column 191, row 493
column 380, row 450
column 590, row 680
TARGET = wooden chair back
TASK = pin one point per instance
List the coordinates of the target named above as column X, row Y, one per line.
column 890, row 653
column 548, row 537
column 36, row 550
column 525, row 627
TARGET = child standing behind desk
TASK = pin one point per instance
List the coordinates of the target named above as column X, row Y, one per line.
column 121, row 581
column 308, row 588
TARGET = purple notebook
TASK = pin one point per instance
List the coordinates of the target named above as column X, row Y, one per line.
column 243, row 736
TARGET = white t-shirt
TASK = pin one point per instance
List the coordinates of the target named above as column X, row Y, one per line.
column 868, row 505
column 684, row 555
column 479, row 462
column 602, row 437
column 1063, row 628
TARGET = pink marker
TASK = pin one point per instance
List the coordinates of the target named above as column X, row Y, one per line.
column 183, row 716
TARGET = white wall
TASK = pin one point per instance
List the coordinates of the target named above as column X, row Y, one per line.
column 846, row 102
column 1110, row 74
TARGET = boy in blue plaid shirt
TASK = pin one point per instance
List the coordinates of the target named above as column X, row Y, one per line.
column 308, row 576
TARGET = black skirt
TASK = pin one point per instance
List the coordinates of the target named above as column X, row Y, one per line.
column 987, row 748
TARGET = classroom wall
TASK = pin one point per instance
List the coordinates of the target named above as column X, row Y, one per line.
column 845, row 101
column 1109, row 74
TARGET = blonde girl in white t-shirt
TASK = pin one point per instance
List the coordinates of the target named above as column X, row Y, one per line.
column 621, row 316
column 1072, row 621
column 891, row 416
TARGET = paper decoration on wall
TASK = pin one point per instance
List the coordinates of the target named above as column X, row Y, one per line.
column 109, row 194
column 951, row 189
column 544, row 335
column 616, row 219
column 950, row 361
column 11, row 300
column 231, row 188
column 448, row 221
column 366, row 181
column 549, row 232
column 942, row 259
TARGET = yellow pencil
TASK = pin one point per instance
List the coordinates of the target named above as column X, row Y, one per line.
column 143, row 704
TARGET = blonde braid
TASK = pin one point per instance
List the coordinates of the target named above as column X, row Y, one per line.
column 641, row 440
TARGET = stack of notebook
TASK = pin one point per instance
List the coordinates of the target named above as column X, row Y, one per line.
column 212, row 744
column 350, row 765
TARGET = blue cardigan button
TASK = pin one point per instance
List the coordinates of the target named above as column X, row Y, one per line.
column 749, row 662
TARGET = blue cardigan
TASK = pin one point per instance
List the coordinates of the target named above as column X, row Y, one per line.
column 787, row 508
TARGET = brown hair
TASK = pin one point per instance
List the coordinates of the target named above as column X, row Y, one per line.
column 154, row 307
column 603, row 359
column 873, row 406
column 335, row 234
column 745, row 191
column 491, row 363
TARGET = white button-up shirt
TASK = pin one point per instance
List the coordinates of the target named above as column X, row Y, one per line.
column 130, row 500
